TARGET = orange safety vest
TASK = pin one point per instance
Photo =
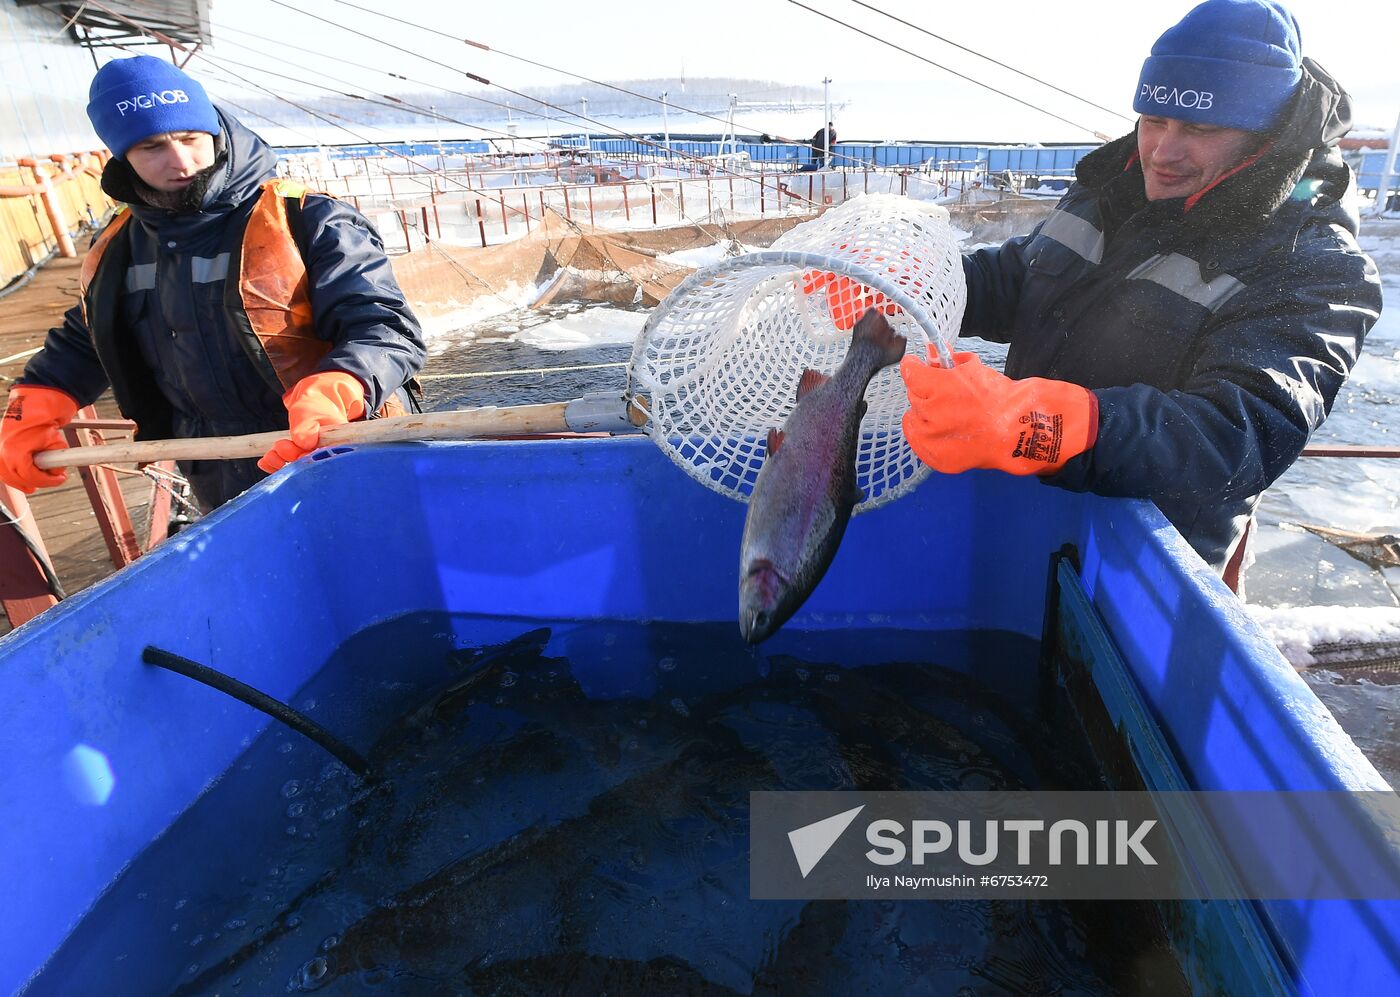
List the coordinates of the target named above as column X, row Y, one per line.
column 274, row 303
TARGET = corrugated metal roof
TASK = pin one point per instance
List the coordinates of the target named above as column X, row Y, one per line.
column 99, row 23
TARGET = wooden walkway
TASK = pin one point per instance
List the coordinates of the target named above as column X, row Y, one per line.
column 66, row 521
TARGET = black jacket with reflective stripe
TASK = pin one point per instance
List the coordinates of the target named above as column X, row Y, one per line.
column 1216, row 339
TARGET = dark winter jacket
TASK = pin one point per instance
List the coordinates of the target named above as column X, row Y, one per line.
column 178, row 366
column 1216, row 337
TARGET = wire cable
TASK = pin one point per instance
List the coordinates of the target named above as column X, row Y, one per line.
column 50, row 576
column 988, row 58
column 616, row 132
column 364, row 139
column 396, row 101
column 520, row 58
column 394, row 152
column 962, row 76
column 499, row 198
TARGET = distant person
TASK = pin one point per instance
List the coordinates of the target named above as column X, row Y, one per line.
column 821, row 145
column 222, row 302
column 1183, row 321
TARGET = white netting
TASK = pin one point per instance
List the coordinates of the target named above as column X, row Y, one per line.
column 719, row 360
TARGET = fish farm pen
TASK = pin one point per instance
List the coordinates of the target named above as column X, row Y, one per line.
column 480, row 713
column 561, row 726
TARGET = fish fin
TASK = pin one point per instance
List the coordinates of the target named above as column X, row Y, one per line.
column 857, row 496
column 811, row 380
column 861, row 409
column 775, row 440
column 874, row 328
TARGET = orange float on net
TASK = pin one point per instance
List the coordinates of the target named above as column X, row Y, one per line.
column 847, row 299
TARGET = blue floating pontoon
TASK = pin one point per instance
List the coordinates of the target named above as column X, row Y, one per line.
column 99, row 753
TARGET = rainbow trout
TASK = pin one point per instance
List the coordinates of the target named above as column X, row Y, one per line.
column 806, row 488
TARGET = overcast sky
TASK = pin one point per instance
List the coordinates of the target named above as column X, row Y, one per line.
column 1092, row 48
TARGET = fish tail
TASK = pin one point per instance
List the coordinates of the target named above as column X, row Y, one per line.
column 874, row 331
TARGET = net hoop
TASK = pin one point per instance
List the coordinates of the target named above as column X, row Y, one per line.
column 718, row 362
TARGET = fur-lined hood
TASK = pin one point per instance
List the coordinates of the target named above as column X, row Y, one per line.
column 1303, row 143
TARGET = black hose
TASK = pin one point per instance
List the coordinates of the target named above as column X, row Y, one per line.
column 28, row 275
column 259, row 701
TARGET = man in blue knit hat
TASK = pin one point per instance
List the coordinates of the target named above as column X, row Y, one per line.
column 1183, row 321
column 222, row 302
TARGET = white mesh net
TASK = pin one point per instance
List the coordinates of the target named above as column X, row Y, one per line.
column 719, row 360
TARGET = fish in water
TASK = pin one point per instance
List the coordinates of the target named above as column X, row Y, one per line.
column 807, row 488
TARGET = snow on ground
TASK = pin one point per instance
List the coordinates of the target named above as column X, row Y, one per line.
column 1343, row 600
column 1298, row 631
column 703, row 256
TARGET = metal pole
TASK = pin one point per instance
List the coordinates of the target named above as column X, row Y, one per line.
column 511, row 130
column 827, row 160
column 53, row 208
column 1387, row 171
column 733, row 143
column 586, row 142
column 665, row 124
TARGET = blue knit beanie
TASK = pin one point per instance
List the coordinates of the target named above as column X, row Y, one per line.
column 1233, row 63
column 133, row 99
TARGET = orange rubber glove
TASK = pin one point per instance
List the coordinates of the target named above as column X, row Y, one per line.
column 31, row 425
column 329, row 398
column 969, row 415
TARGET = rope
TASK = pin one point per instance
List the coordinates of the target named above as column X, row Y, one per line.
column 467, row 273
column 71, row 21
column 519, row 370
column 20, row 356
column 168, row 481
column 668, row 198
